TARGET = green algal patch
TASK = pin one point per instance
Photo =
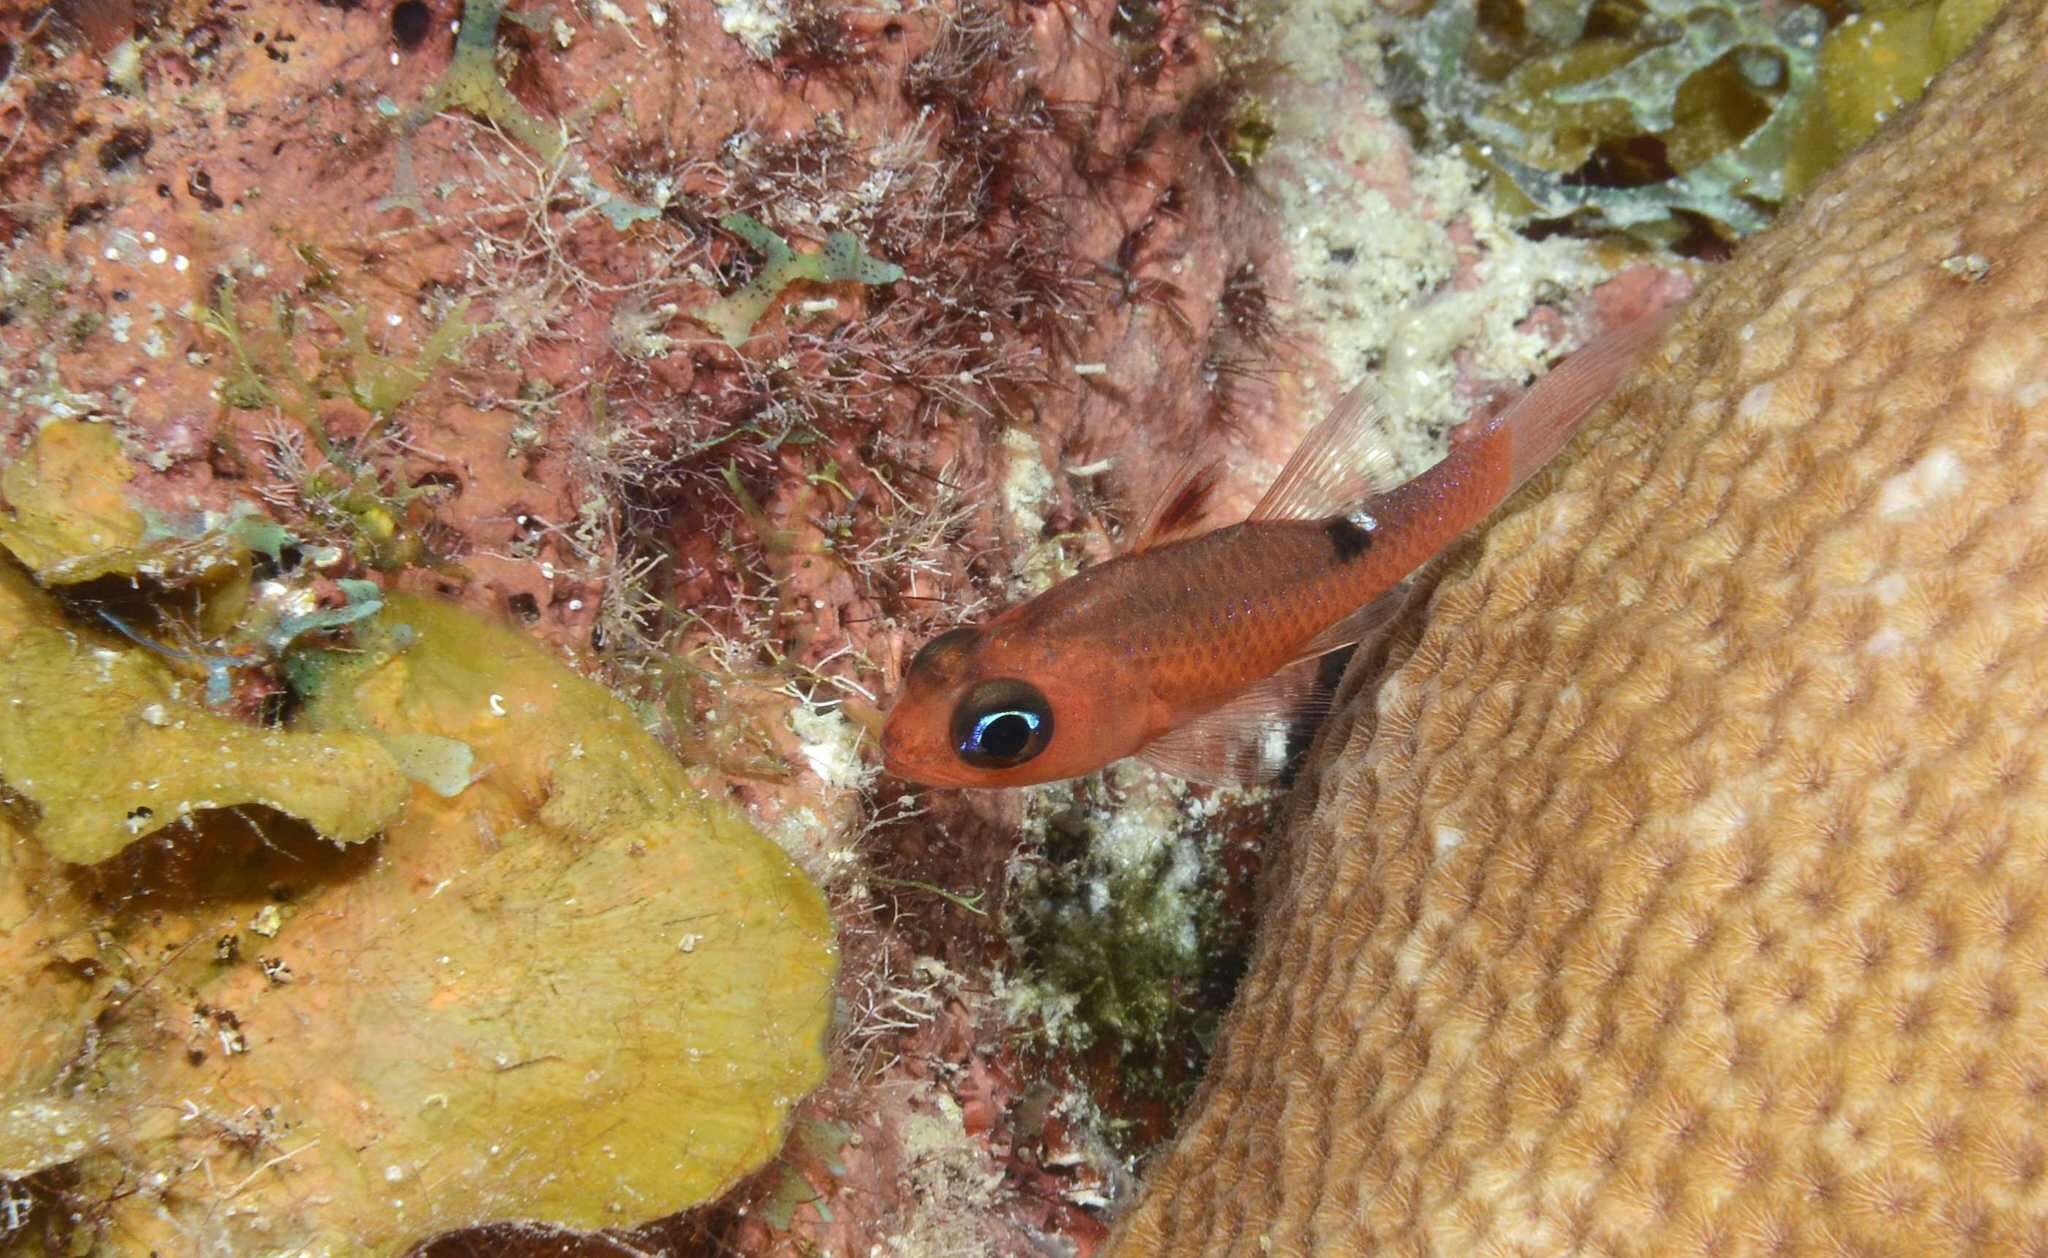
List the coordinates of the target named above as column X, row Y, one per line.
column 1874, row 64
column 472, row 85
column 337, row 487
column 1125, row 952
column 843, row 260
column 1622, row 118
column 262, row 360
column 1637, row 116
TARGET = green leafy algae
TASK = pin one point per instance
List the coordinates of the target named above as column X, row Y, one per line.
column 108, row 747
column 472, row 85
column 460, row 942
column 843, row 260
column 1873, row 65
column 1715, row 88
column 574, row 990
column 1126, row 954
column 1627, row 116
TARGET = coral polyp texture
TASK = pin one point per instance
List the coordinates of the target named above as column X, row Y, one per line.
column 1681, row 885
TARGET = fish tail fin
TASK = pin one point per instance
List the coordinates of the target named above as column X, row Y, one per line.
column 1545, row 418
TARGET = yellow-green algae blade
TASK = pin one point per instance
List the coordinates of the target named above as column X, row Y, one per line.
column 644, row 980
column 66, row 497
column 108, row 745
column 46, row 1004
column 575, row 992
column 67, row 518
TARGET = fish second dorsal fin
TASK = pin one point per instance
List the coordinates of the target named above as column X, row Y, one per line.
column 1253, row 736
column 1182, row 508
column 1344, row 461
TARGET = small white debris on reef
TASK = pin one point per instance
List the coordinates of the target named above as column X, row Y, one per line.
column 1028, row 490
column 758, row 24
column 832, row 747
column 1376, row 269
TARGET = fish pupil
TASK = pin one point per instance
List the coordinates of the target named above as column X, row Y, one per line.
column 1001, row 723
column 1004, row 734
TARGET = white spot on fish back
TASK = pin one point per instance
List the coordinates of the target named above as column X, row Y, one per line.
column 1889, row 589
column 1362, row 520
column 1885, row 641
column 1755, row 402
column 1936, row 476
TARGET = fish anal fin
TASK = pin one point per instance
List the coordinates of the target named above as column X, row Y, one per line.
column 1182, row 508
column 1252, row 737
column 1343, row 462
column 1359, row 625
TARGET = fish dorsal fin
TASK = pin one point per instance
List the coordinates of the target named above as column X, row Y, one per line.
column 1359, row 625
column 1252, row 737
column 1182, row 508
column 1343, row 462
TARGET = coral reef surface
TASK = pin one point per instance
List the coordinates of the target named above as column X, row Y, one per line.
column 1678, row 887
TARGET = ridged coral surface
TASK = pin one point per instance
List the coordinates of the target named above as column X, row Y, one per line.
column 1683, row 889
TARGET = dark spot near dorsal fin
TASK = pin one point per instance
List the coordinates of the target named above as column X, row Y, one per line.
column 1348, row 535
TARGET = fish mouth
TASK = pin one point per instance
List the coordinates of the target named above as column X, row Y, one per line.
column 901, row 761
column 894, row 759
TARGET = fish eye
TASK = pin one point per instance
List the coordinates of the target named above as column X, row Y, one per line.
column 1001, row 723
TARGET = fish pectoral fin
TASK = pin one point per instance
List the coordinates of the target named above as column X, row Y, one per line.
column 1359, row 625
column 1182, row 508
column 1344, row 462
column 1253, row 736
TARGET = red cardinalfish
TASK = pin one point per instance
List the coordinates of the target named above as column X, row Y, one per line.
column 1197, row 650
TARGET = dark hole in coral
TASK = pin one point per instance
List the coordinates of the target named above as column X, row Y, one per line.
column 6, row 58
column 274, row 707
column 120, row 294
column 204, row 40
column 410, row 22
column 123, row 148
column 86, row 213
column 448, row 483
column 893, row 32
column 525, row 606
column 276, row 54
column 200, row 185
column 164, row 190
